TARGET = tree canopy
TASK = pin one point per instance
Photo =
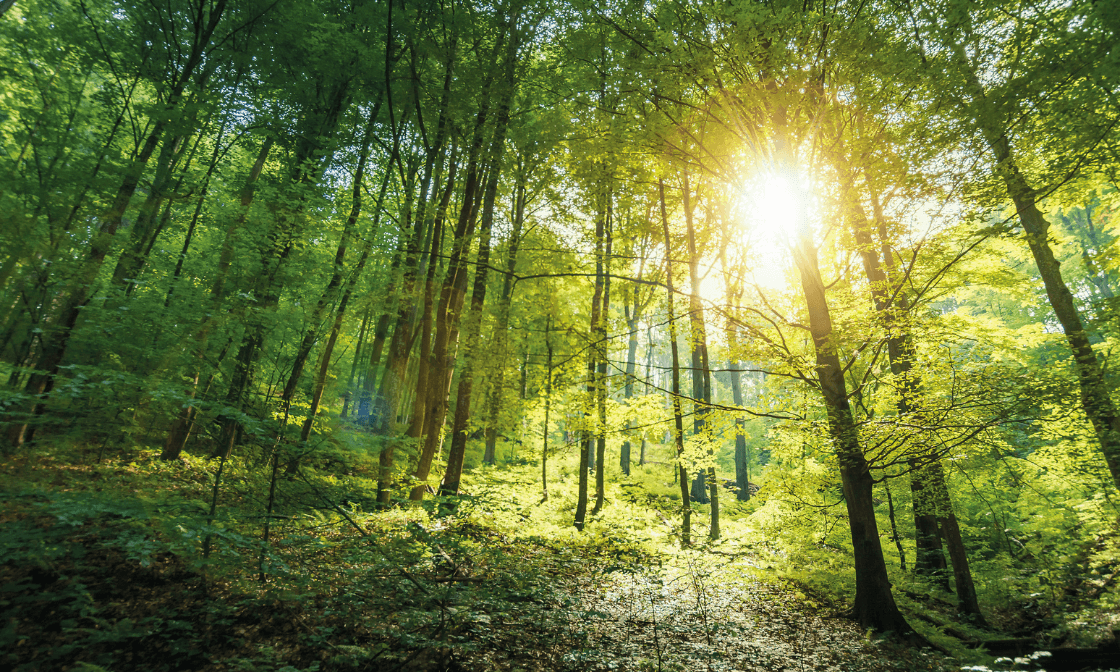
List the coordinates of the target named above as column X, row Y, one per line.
column 830, row 277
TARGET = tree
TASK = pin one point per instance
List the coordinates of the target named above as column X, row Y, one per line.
column 999, row 113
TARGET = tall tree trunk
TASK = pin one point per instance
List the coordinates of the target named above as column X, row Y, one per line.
column 587, row 443
column 308, row 159
column 633, row 313
column 675, row 392
column 311, row 333
column 364, row 411
column 874, row 604
column 452, row 295
column 458, row 451
column 705, row 489
column 733, row 285
column 890, row 304
column 41, row 381
column 547, row 407
column 200, row 201
column 501, row 326
column 930, row 493
column 742, row 459
column 359, row 350
column 143, row 230
column 601, row 370
column 340, row 313
column 962, row 575
column 424, row 377
column 390, row 392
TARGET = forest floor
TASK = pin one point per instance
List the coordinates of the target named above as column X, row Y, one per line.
column 700, row 613
column 100, row 569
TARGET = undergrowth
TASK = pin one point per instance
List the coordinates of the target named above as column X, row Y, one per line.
column 120, row 563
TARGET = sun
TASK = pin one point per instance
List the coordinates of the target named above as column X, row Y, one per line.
column 766, row 209
column 769, row 206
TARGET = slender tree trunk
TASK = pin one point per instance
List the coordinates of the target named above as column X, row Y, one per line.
column 742, row 459
column 311, row 333
column 452, row 296
column 340, row 314
column 380, row 335
column 501, row 327
column 891, row 306
column 966, row 591
column 1095, row 397
column 930, row 493
column 390, row 393
column 143, row 229
column 547, row 407
column 705, row 489
column 632, row 317
column 303, row 170
column 587, row 443
column 678, row 416
column 633, row 312
column 40, row 383
column 894, row 527
column 962, row 574
column 601, row 372
column 200, row 201
column 431, row 270
column 734, row 288
column 425, row 378
column 458, row 450
column 359, row 350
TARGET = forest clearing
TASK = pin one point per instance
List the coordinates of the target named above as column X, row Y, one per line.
column 663, row 335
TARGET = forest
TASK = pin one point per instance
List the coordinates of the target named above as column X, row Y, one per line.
column 569, row 335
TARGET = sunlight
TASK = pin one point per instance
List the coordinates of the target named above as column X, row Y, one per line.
column 776, row 207
column 767, row 209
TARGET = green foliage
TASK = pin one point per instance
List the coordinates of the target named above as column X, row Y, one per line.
column 183, row 220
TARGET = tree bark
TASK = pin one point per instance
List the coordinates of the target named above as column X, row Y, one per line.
column 308, row 158
column 340, row 313
column 675, row 392
column 587, row 443
column 458, row 451
column 601, row 371
column 705, row 489
column 874, row 605
column 742, row 459
column 501, row 327
column 547, row 407
column 311, row 333
column 633, row 312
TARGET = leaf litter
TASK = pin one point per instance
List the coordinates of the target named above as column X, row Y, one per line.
column 700, row 613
